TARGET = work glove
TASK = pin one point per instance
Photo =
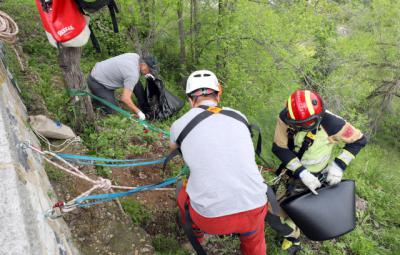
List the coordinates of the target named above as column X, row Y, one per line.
column 149, row 76
column 310, row 181
column 334, row 173
column 141, row 115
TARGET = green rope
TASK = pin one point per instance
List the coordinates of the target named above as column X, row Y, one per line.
column 147, row 125
column 185, row 171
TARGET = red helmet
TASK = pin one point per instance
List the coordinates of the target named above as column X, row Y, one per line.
column 304, row 110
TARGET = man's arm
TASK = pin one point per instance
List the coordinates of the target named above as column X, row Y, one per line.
column 126, row 98
column 289, row 158
column 173, row 145
column 341, row 131
column 281, row 150
column 354, row 140
column 172, row 138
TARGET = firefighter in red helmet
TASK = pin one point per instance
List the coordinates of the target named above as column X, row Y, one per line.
column 305, row 136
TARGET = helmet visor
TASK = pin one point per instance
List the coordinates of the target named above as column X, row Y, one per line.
column 308, row 124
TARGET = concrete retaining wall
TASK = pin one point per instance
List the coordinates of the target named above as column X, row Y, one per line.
column 24, row 186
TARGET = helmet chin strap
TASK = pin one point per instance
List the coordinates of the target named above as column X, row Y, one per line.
column 202, row 93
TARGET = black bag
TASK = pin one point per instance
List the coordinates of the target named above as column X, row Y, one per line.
column 162, row 103
column 325, row 216
column 93, row 6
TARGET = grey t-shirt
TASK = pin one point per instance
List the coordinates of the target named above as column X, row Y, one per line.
column 224, row 178
column 118, row 72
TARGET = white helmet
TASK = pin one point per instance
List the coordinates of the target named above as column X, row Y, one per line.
column 201, row 79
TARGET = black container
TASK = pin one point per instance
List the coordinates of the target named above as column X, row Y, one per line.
column 327, row 215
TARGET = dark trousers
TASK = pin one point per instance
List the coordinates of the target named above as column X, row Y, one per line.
column 101, row 91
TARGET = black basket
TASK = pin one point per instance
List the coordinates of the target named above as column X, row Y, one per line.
column 327, row 215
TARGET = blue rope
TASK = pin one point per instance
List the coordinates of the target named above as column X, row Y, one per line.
column 146, row 163
column 94, row 159
column 72, row 156
column 107, row 197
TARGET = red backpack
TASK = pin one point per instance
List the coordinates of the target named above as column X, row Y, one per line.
column 63, row 22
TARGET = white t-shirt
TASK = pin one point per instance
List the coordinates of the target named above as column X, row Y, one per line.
column 224, row 178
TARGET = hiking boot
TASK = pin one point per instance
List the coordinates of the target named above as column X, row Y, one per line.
column 291, row 245
column 294, row 250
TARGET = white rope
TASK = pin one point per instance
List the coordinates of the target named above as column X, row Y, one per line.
column 100, row 183
column 8, row 28
column 8, row 33
column 60, row 147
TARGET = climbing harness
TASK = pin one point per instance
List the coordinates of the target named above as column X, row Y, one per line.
column 189, row 231
column 209, row 111
column 85, row 199
column 307, row 143
column 145, row 124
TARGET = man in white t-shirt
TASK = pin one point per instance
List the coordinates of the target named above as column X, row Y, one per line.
column 225, row 193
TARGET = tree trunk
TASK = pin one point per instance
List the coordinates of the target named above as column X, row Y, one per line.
column 144, row 18
column 181, row 27
column 194, row 31
column 220, row 58
column 69, row 61
column 133, row 32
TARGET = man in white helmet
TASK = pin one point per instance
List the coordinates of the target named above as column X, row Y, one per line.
column 225, row 193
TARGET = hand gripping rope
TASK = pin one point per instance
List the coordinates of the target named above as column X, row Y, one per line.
column 85, row 199
column 145, row 124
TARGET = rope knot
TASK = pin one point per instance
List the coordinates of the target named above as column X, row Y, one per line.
column 104, row 184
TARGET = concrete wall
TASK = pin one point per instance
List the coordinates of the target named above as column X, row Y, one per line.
column 24, row 186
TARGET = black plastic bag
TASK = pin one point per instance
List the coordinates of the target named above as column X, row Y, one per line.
column 163, row 103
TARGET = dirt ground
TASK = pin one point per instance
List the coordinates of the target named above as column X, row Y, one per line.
column 104, row 228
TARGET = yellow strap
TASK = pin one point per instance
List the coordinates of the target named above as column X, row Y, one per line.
column 214, row 109
column 311, row 135
column 286, row 244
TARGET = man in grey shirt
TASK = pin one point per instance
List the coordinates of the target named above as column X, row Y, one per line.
column 122, row 71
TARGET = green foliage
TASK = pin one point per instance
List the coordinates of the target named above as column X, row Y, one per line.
column 262, row 51
column 111, row 44
column 54, row 173
column 118, row 137
column 167, row 245
column 139, row 214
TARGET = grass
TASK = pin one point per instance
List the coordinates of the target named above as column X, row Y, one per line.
column 167, row 245
column 54, row 173
column 136, row 211
column 118, row 137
